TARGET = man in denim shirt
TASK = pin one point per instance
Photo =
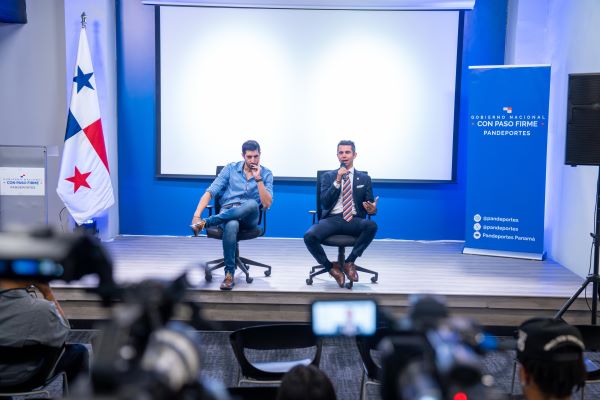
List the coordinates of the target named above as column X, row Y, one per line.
column 242, row 187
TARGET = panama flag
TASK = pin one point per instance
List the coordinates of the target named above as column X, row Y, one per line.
column 84, row 183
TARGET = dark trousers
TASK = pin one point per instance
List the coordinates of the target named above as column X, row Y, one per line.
column 363, row 229
column 75, row 360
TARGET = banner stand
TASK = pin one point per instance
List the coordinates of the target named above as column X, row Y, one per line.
column 501, row 253
column 506, row 160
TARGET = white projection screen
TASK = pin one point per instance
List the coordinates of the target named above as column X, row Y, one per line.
column 298, row 81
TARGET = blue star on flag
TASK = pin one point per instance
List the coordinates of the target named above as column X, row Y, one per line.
column 82, row 79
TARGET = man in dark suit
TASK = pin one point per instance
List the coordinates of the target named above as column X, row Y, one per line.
column 346, row 199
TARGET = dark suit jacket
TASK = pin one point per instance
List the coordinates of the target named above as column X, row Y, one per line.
column 362, row 190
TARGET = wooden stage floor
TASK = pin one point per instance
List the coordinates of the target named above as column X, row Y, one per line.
column 493, row 290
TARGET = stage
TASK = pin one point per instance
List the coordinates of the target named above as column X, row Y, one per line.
column 493, row 290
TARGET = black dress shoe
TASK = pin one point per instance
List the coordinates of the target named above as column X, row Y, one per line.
column 337, row 274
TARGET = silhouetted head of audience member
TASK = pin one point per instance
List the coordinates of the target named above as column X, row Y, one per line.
column 306, row 383
column 550, row 352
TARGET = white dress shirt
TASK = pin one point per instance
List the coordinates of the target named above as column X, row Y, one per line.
column 339, row 205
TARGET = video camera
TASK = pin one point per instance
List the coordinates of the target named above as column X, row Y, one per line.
column 142, row 354
column 432, row 356
column 44, row 255
column 145, row 355
column 426, row 356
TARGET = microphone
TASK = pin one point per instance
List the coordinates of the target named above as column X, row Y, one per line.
column 343, row 165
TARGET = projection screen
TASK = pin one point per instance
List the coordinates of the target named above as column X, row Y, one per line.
column 298, row 81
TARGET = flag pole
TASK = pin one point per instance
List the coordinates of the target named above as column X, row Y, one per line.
column 84, row 183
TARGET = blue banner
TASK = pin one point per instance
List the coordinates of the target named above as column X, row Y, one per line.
column 506, row 160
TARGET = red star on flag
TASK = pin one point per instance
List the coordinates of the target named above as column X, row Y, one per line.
column 84, row 145
column 79, row 180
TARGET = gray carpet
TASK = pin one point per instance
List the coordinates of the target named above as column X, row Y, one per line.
column 340, row 360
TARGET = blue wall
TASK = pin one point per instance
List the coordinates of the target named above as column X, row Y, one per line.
column 153, row 206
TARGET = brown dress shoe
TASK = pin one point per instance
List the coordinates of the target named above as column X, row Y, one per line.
column 350, row 270
column 197, row 227
column 227, row 283
column 337, row 274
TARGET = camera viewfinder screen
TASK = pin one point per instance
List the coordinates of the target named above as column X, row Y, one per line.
column 36, row 268
column 344, row 318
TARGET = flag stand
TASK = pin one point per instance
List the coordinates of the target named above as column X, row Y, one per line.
column 90, row 227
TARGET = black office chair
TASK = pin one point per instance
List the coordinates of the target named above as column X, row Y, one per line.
column 367, row 345
column 41, row 362
column 216, row 232
column 339, row 241
column 279, row 348
column 253, row 392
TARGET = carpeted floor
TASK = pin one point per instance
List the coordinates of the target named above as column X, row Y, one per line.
column 340, row 360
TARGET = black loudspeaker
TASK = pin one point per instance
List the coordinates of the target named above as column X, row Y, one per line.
column 583, row 120
column 13, row 11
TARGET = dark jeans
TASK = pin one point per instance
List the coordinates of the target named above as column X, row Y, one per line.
column 231, row 219
column 75, row 360
column 363, row 229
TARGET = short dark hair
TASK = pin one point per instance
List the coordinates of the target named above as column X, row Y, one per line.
column 551, row 351
column 250, row 145
column 558, row 378
column 347, row 143
column 306, row 383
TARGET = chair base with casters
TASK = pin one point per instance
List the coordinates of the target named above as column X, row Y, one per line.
column 341, row 242
column 242, row 263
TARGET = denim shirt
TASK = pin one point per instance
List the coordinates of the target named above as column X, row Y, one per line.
column 232, row 186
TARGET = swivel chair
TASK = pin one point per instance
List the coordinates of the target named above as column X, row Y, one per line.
column 339, row 241
column 216, row 232
column 41, row 361
column 271, row 343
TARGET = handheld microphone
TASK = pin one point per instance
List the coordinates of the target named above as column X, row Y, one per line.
column 343, row 165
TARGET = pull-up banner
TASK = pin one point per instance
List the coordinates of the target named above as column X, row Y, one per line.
column 506, row 160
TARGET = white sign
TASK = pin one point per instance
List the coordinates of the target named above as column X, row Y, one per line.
column 15, row 181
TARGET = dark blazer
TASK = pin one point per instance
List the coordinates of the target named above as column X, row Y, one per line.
column 362, row 190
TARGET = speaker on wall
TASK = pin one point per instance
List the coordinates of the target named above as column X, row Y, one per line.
column 13, row 11
column 583, row 120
